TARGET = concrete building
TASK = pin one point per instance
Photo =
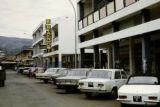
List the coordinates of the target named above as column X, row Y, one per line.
column 37, row 43
column 24, row 58
column 54, row 43
column 60, row 42
column 122, row 34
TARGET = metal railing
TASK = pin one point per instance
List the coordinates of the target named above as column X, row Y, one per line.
column 106, row 9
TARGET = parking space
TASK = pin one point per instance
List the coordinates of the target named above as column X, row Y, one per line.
column 21, row 91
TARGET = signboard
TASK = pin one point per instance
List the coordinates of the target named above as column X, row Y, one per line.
column 48, row 37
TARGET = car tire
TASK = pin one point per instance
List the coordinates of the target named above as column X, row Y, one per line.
column 114, row 93
column 123, row 105
column 45, row 81
column 89, row 95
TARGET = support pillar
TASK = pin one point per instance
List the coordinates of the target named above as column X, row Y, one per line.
column 101, row 59
column 82, row 50
column 115, row 54
column 146, row 48
column 96, row 56
column 60, row 60
column 131, row 56
column 110, row 61
column 146, row 54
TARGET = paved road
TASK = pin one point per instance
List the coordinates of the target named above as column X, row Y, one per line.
column 21, row 91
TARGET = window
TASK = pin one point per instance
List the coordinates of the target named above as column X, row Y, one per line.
column 117, row 75
column 124, row 76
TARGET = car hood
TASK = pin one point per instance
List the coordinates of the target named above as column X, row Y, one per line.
column 71, row 77
column 95, row 80
column 139, row 89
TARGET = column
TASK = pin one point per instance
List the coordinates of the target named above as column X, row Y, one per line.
column 115, row 54
column 60, row 60
column 110, row 61
column 96, row 50
column 101, row 59
column 82, row 50
column 131, row 56
column 96, row 56
column 146, row 42
column 115, row 47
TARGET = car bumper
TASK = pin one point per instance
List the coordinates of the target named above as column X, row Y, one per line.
column 67, row 85
column 94, row 91
column 145, row 102
column 44, row 78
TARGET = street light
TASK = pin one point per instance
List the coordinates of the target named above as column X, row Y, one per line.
column 74, row 10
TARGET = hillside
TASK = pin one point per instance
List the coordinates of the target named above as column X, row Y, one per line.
column 12, row 45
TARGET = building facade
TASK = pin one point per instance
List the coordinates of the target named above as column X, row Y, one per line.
column 121, row 33
column 54, row 43
column 24, row 58
column 37, row 43
column 60, row 43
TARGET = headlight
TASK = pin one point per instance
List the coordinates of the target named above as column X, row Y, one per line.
column 100, row 84
column 122, row 97
column 81, row 83
column 152, row 97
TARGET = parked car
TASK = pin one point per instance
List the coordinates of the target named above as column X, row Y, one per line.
column 70, row 81
column 2, row 76
column 140, row 90
column 20, row 69
column 29, row 71
column 60, row 73
column 103, row 81
column 46, row 76
column 36, row 71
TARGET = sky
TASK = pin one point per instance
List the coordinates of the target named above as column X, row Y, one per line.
column 19, row 18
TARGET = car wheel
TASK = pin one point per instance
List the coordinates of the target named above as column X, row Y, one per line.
column 45, row 81
column 123, row 105
column 88, row 95
column 114, row 93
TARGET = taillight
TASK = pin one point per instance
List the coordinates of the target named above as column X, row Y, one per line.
column 122, row 97
column 152, row 98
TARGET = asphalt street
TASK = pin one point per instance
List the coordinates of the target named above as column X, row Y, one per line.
column 21, row 91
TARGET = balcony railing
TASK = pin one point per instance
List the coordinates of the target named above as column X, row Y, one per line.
column 104, row 11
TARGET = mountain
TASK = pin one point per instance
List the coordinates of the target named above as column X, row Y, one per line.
column 13, row 45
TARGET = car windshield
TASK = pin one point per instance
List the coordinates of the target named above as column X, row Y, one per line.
column 51, row 70
column 100, row 74
column 143, row 80
column 62, row 72
column 77, row 73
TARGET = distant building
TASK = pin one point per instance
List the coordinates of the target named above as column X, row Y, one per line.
column 24, row 58
column 2, row 55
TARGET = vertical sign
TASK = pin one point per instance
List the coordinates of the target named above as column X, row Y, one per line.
column 48, row 34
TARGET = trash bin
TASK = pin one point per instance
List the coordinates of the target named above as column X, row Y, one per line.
column 2, row 76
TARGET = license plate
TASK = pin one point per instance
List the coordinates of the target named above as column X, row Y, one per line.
column 90, row 84
column 137, row 98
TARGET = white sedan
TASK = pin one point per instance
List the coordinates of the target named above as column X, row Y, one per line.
column 140, row 90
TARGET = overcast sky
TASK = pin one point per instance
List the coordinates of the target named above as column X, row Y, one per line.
column 19, row 18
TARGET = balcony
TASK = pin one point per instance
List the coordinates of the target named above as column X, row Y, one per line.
column 105, row 10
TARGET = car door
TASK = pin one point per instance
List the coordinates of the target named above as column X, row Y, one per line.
column 118, row 80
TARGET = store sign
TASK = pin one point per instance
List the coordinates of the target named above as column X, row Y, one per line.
column 48, row 37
